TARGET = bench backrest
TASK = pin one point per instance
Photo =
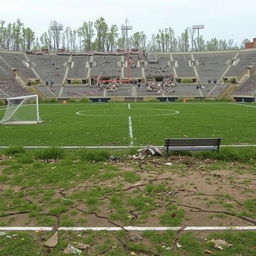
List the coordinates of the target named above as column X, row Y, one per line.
column 192, row 142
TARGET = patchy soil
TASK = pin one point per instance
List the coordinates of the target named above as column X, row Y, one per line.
column 138, row 192
column 175, row 191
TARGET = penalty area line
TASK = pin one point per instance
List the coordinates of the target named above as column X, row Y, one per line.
column 133, row 228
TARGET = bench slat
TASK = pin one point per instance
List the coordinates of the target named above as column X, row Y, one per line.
column 192, row 144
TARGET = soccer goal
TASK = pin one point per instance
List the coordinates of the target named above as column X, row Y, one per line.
column 22, row 110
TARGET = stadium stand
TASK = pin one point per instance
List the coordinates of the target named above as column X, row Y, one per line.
column 106, row 66
column 247, row 89
column 78, row 71
column 160, row 68
column 19, row 63
column 161, row 74
column 244, row 59
column 183, row 68
column 50, row 67
column 9, row 87
column 211, row 66
column 135, row 68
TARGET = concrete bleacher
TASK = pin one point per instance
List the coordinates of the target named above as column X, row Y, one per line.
column 78, row 68
column 106, row 66
column 183, row 68
column 135, row 70
column 212, row 65
column 49, row 91
column 18, row 62
column 50, row 67
column 9, row 87
column 213, row 90
column 159, row 68
column 243, row 60
column 248, row 88
column 64, row 70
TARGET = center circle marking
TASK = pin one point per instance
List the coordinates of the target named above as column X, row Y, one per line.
column 169, row 113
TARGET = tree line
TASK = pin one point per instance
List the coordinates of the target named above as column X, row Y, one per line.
column 100, row 36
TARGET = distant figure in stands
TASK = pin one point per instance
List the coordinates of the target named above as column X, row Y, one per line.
column 215, row 81
column 138, row 83
column 52, row 83
column 46, row 83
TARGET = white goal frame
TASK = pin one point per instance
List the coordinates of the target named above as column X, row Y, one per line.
column 23, row 98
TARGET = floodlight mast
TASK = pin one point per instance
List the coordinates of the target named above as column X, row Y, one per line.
column 56, row 28
column 197, row 27
column 125, row 29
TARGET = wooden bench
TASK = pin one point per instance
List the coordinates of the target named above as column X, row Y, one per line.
column 192, row 144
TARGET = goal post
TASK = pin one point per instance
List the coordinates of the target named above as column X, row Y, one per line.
column 22, row 110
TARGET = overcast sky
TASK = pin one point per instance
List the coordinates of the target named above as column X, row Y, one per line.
column 224, row 19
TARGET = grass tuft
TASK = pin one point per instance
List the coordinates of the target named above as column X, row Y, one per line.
column 231, row 154
column 14, row 150
column 50, row 153
column 94, row 155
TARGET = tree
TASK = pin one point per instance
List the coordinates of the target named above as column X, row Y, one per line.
column 244, row 42
column 184, row 41
column 111, row 37
column 101, row 28
column 138, row 40
column 86, row 32
column 45, row 41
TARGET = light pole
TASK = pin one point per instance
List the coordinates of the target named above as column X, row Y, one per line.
column 198, row 27
column 125, row 28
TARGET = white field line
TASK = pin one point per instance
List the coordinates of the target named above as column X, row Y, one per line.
column 130, row 130
column 129, row 106
column 132, row 228
column 120, row 147
column 243, row 105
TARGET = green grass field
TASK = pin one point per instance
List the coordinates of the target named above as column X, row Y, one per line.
column 151, row 123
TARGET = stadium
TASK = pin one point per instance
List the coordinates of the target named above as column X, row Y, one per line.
column 128, row 151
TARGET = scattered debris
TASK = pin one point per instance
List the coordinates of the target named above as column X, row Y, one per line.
column 179, row 245
column 148, row 151
column 83, row 246
column 2, row 233
column 52, row 241
column 134, row 237
column 208, row 252
column 113, row 158
column 72, row 250
column 168, row 164
column 220, row 244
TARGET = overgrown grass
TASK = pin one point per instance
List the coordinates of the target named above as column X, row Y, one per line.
column 94, row 155
column 50, row 153
column 14, row 150
column 246, row 154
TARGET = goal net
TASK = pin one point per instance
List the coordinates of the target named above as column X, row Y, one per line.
column 22, row 110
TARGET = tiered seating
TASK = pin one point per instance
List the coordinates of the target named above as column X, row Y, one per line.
column 50, row 67
column 244, row 59
column 80, row 92
column 248, row 88
column 124, row 90
column 8, row 85
column 185, row 90
column 212, row 65
column 160, row 68
column 49, row 91
column 18, row 61
column 106, row 66
column 135, row 70
column 78, row 69
column 183, row 69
